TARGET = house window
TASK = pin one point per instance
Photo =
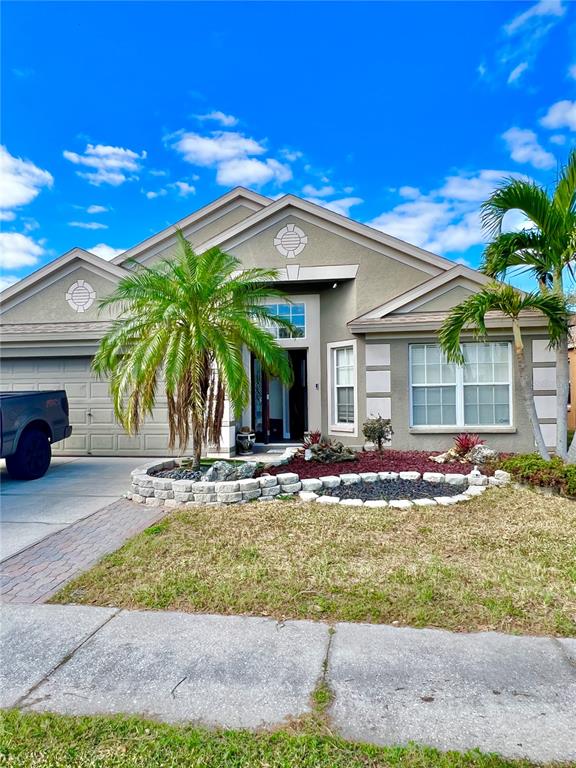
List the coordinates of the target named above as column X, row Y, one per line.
column 343, row 375
column 476, row 394
column 295, row 313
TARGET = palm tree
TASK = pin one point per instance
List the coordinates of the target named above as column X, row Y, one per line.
column 546, row 250
column 499, row 297
column 183, row 323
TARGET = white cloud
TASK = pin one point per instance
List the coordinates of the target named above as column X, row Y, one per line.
column 7, row 280
column 326, row 191
column 341, row 206
column 228, row 121
column 106, row 252
column 152, row 195
column 111, row 165
column 245, row 171
column 445, row 220
column 562, row 114
column 236, row 157
column 96, row 209
column 21, row 182
column 17, row 250
column 87, row 225
column 525, row 148
column 184, row 189
column 471, row 187
column 517, row 72
column 558, row 139
column 7, row 215
column 291, row 155
column 409, row 192
column 572, row 72
column 218, row 147
column 533, row 14
column 157, row 172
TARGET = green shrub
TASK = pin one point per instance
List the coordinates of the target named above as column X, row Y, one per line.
column 378, row 430
column 533, row 470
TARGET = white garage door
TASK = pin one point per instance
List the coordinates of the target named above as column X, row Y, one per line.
column 95, row 431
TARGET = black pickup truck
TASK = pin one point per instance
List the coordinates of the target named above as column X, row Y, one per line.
column 29, row 423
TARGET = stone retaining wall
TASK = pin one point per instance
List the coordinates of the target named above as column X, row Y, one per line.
column 160, row 491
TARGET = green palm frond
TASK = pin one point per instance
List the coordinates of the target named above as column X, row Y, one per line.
column 183, row 324
column 565, row 195
column 526, row 250
column 470, row 315
column 518, row 195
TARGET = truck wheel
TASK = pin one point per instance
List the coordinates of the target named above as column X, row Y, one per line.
column 32, row 457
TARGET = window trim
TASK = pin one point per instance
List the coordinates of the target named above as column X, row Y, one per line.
column 459, row 385
column 334, row 427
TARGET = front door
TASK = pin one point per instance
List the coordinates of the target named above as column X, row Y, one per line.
column 279, row 413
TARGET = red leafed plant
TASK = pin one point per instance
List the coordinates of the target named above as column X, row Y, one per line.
column 465, row 441
column 314, row 437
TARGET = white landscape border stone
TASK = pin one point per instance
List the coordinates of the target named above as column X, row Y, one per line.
column 176, row 494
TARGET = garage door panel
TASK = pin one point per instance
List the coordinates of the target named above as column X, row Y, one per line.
column 95, row 430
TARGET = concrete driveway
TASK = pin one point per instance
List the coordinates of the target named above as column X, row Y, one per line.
column 73, row 488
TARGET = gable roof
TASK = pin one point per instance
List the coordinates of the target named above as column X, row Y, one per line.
column 238, row 195
column 355, row 230
column 445, row 278
column 13, row 291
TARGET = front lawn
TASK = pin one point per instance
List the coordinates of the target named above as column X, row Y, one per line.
column 502, row 561
column 52, row 741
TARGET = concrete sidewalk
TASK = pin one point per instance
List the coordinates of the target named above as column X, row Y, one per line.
column 499, row 693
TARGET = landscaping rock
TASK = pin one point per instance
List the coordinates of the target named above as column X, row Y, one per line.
column 145, row 481
column 227, row 486
column 287, row 478
column 152, row 501
column 172, row 504
column 474, row 490
column 183, row 496
column 425, row 502
column 291, row 487
column 352, row 502
column 349, row 479
column 400, row 503
column 477, row 479
column 204, row 498
column 219, row 471
column 331, row 452
column 445, row 501
column 327, row 500
column 433, row 477
column 455, row 478
column 164, row 494
column 375, row 503
column 480, row 454
column 368, row 477
column 229, row 498
column 308, row 495
column 251, row 495
column 409, row 475
column 505, row 477
column 159, row 484
column 204, row 487
column 271, row 491
column 246, row 470
column 388, row 475
column 330, row 481
column 311, row 484
column 267, row 481
column 248, row 485
column 182, row 486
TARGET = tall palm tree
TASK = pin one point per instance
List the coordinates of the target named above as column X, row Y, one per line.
column 546, row 250
column 183, row 323
column 470, row 316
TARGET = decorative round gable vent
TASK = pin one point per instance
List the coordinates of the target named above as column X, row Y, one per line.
column 80, row 296
column 290, row 241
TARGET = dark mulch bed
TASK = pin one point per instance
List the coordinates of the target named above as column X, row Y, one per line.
column 179, row 474
column 373, row 461
column 393, row 489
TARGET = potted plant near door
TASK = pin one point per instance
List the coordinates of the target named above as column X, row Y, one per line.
column 245, row 440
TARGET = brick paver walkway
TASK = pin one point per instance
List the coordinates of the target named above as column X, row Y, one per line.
column 34, row 575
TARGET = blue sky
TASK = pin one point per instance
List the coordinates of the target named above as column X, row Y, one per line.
column 121, row 118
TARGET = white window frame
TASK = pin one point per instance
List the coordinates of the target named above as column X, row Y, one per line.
column 459, row 384
column 334, row 427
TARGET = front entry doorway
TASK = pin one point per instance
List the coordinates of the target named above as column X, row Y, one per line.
column 278, row 413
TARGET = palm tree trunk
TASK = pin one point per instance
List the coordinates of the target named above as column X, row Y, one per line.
column 562, row 383
column 526, row 387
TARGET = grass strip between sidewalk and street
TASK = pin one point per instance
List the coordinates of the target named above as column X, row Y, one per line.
column 30, row 740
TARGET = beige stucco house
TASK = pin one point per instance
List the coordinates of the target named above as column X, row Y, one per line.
column 367, row 305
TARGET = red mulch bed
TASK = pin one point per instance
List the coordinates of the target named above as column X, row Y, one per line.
column 373, row 461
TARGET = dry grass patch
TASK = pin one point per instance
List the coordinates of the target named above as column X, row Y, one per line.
column 504, row 561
